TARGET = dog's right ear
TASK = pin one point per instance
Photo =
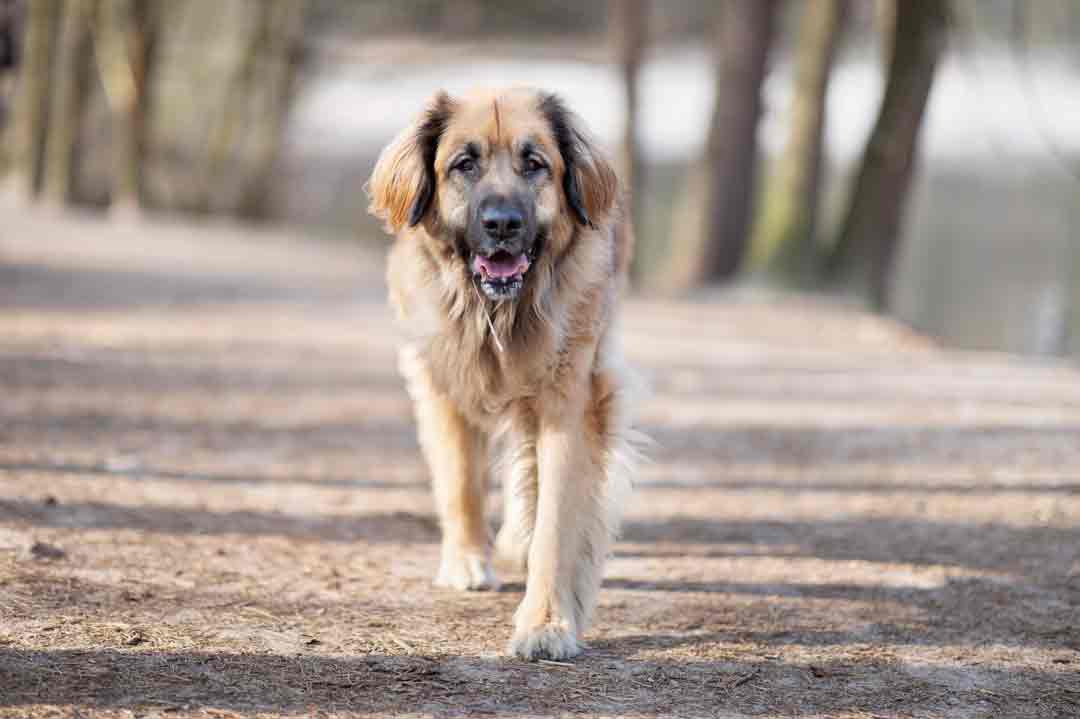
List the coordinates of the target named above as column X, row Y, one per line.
column 402, row 185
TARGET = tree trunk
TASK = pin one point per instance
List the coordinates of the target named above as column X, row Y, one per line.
column 70, row 79
column 25, row 135
column 278, row 67
column 713, row 244
column 9, row 31
column 864, row 254
column 125, row 40
column 628, row 20
column 1071, row 344
column 785, row 243
column 884, row 27
column 225, row 131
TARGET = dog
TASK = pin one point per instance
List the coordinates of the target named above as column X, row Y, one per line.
column 511, row 249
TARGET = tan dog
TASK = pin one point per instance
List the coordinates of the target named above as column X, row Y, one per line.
column 511, row 248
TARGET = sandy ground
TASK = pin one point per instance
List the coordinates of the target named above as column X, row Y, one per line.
column 212, row 505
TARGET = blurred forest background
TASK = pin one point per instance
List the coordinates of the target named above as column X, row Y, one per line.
column 919, row 156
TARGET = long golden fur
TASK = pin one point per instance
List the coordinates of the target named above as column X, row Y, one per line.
column 538, row 377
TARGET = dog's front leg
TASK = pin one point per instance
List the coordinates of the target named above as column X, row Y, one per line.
column 456, row 453
column 569, row 540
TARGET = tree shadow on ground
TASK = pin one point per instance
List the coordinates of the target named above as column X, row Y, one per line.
column 295, row 373
column 29, row 286
column 383, row 435
column 820, row 483
column 379, row 527
column 180, row 681
column 807, row 486
column 971, row 611
column 884, row 445
column 993, row 546
column 987, row 546
column 254, row 479
column 868, row 380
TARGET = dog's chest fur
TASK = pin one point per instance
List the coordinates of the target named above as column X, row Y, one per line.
column 541, row 337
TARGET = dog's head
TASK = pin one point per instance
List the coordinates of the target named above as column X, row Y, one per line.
column 502, row 178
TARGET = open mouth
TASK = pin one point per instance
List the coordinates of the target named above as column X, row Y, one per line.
column 502, row 274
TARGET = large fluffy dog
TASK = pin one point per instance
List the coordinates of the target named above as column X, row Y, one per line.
column 511, row 247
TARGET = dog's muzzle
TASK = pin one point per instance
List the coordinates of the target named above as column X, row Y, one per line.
column 504, row 235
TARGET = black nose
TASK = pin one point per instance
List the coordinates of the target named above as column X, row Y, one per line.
column 501, row 219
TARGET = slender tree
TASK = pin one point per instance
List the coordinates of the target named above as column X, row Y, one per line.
column 226, row 132
column 125, row 40
column 9, row 52
column 863, row 256
column 25, row 134
column 259, row 94
column 8, row 60
column 711, row 241
column 628, row 21
column 281, row 58
column 884, row 27
column 784, row 243
column 70, row 81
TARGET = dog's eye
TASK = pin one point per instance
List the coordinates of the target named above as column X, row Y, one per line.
column 465, row 164
column 532, row 165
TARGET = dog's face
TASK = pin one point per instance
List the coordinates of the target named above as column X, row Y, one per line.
column 497, row 194
column 500, row 177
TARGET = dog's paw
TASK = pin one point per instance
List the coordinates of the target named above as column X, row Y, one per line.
column 547, row 641
column 466, row 570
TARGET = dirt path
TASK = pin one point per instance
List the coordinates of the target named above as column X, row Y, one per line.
column 840, row 520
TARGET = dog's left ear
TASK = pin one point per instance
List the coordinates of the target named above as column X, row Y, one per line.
column 402, row 185
column 589, row 182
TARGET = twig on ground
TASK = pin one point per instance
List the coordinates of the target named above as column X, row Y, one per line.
column 554, row 663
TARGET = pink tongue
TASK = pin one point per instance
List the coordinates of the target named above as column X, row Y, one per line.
column 501, row 265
